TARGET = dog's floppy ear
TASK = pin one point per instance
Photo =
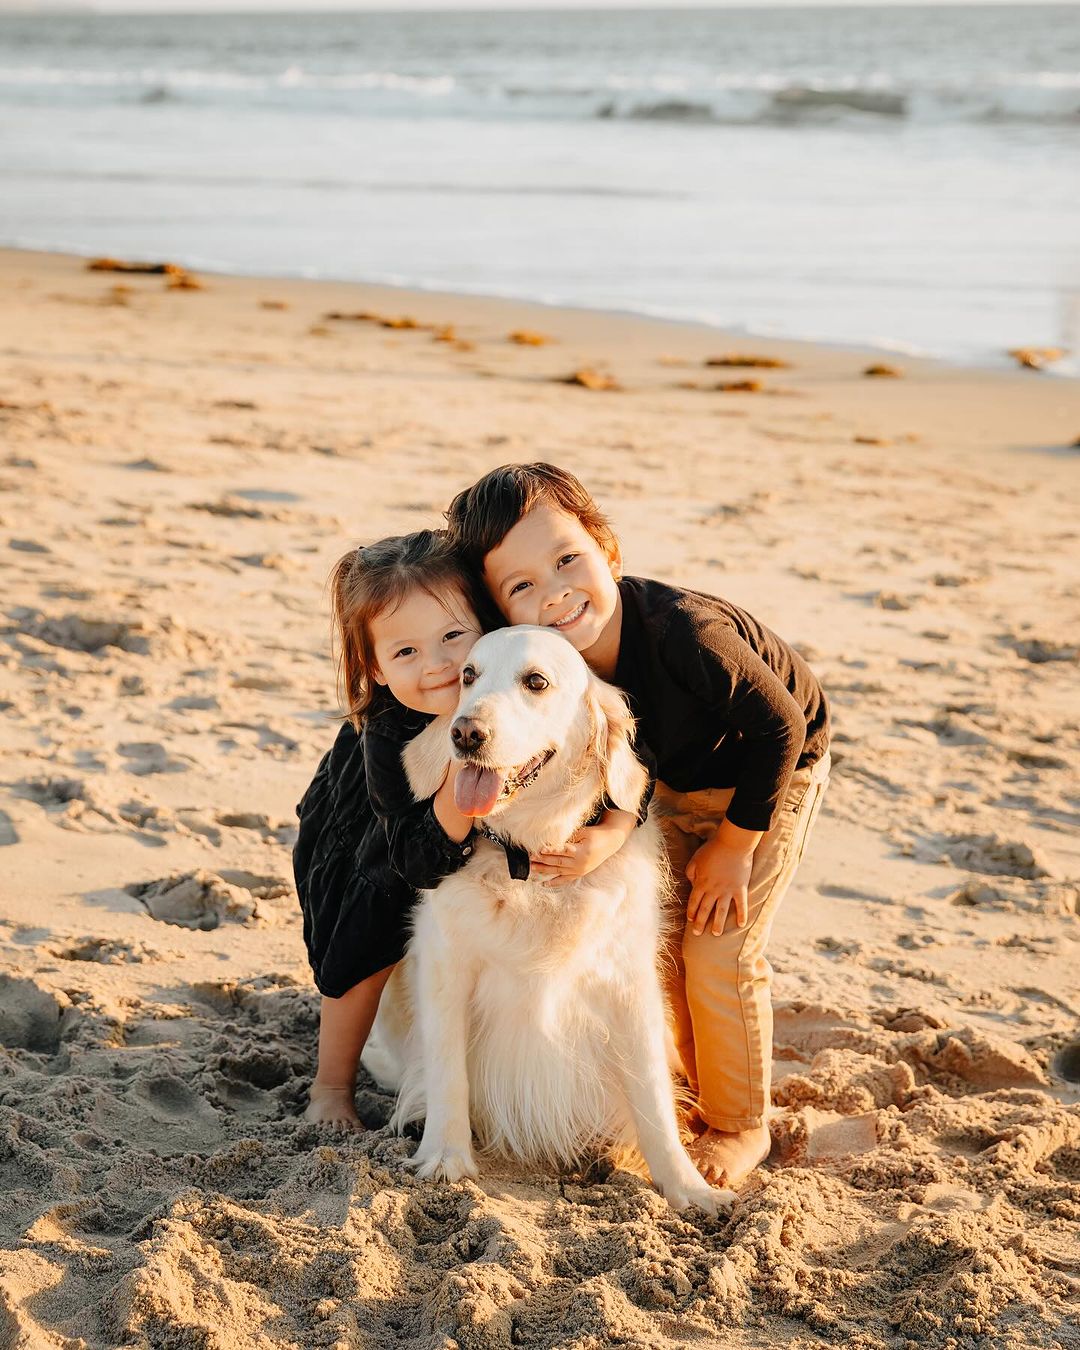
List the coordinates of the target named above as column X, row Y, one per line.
column 625, row 779
column 426, row 756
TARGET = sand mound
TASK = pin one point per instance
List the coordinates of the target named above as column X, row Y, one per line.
column 170, row 1195
column 100, row 634
column 1009, row 895
column 205, row 900
column 995, row 856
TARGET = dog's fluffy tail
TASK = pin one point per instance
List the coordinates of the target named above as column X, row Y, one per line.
column 380, row 1061
column 384, row 1054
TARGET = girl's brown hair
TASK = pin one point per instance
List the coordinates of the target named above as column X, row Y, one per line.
column 481, row 517
column 374, row 579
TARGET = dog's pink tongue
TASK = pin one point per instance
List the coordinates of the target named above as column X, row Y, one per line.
column 477, row 790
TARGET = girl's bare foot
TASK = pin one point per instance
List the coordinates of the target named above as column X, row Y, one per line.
column 333, row 1106
column 725, row 1158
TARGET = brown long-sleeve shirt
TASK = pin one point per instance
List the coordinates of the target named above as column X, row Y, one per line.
column 721, row 700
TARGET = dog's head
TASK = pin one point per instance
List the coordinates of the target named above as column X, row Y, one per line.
column 532, row 712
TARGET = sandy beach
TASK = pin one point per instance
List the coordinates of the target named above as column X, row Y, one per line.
column 178, row 470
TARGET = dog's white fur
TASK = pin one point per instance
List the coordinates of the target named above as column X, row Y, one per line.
column 533, row 1015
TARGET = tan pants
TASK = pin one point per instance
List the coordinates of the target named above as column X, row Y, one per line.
column 719, row 985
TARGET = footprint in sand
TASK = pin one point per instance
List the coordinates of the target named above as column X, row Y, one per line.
column 282, row 831
column 72, row 805
column 237, row 507
column 106, row 951
column 148, row 757
column 31, row 1017
column 1065, row 1163
column 258, row 736
column 1032, row 759
column 194, row 703
column 1067, row 1062
column 147, row 465
column 259, row 1067
column 1042, row 649
column 264, row 684
column 168, row 1095
column 99, row 634
column 150, row 821
column 267, row 684
column 266, row 495
column 48, row 790
column 276, row 562
column 260, row 885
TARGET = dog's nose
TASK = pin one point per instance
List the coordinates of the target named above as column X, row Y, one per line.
column 469, row 734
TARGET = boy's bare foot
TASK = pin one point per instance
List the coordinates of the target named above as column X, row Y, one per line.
column 725, row 1158
column 333, row 1106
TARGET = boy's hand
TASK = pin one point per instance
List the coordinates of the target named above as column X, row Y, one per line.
column 591, row 846
column 720, row 875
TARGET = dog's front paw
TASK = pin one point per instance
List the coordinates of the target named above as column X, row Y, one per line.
column 696, row 1190
column 443, row 1163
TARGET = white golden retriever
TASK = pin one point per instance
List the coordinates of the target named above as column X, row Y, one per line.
column 530, row 1015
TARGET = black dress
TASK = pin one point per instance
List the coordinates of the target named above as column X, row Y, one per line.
column 364, row 848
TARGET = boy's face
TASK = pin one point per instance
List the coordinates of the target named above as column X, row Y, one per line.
column 420, row 647
column 550, row 571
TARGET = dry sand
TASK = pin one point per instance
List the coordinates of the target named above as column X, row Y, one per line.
column 178, row 469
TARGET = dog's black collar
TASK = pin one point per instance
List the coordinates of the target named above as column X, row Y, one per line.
column 597, row 812
column 517, row 858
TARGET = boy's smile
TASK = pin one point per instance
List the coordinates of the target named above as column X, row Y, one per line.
column 576, row 613
column 549, row 570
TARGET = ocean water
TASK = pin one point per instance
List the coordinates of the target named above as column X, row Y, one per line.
column 902, row 176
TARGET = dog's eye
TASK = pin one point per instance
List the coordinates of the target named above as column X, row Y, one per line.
column 536, row 682
column 468, row 675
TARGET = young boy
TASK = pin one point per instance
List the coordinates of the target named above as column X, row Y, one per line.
column 739, row 728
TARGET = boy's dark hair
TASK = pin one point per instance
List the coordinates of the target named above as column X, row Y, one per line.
column 373, row 580
column 481, row 517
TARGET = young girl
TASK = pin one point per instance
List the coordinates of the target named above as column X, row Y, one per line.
column 404, row 620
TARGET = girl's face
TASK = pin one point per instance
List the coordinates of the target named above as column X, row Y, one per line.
column 420, row 646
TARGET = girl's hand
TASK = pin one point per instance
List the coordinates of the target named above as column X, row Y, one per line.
column 591, row 846
column 456, row 825
column 720, row 876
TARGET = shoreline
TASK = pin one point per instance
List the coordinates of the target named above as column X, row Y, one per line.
column 881, row 348
column 1033, row 412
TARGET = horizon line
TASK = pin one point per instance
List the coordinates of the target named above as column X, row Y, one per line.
column 58, row 8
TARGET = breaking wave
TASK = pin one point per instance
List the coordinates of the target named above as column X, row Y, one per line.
column 725, row 100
